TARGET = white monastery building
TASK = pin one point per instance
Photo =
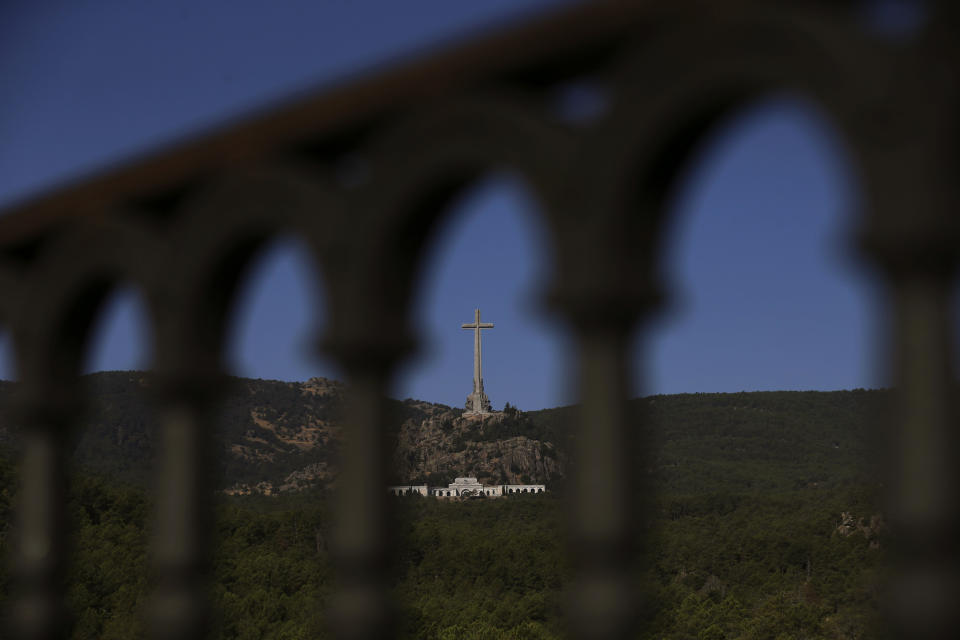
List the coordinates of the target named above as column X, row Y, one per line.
column 466, row 488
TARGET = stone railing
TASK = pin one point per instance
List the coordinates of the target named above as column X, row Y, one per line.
column 363, row 174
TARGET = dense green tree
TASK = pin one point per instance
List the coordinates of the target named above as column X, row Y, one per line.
column 747, row 491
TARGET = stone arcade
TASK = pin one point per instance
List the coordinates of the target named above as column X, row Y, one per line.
column 180, row 225
column 466, row 488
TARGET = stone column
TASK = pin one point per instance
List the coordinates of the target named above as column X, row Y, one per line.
column 361, row 608
column 604, row 531
column 911, row 233
column 923, row 465
column 181, row 545
column 39, row 611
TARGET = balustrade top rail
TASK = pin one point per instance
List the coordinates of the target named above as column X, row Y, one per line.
column 546, row 44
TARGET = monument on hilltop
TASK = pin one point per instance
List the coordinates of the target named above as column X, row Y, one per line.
column 478, row 404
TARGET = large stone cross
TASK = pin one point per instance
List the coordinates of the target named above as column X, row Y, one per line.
column 477, row 402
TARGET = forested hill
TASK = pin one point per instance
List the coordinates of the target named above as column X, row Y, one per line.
column 754, row 441
column 280, row 436
column 766, row 517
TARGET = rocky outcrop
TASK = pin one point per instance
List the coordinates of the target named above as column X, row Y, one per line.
column 447, row 445
column 849, row 525
column 312, row 475
column 276, row 437
column 432, row 443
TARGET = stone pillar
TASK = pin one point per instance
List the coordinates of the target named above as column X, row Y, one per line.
column 923, row 464
column 607, row 475
column 39, row 611
column 179, row 607
column 361, row 608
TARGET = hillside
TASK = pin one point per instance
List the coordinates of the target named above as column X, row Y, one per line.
column 753, row 441
column 766, row 518
column 276, row 437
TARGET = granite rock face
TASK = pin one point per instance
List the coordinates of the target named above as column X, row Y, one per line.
column 432, row 444
column 493, row 449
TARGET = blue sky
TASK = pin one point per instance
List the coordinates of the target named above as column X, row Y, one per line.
column 763, row 293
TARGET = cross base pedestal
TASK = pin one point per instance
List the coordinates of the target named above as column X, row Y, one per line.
column 478, row 403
